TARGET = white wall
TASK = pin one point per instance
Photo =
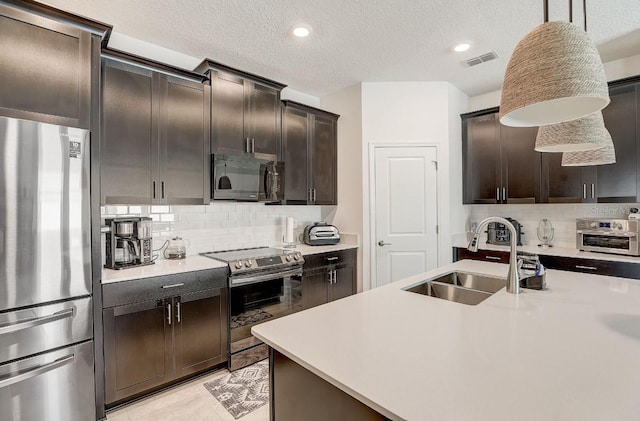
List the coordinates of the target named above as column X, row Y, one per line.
column 348, row 214
column 301, row 97
column 562, row 216
column 221, row 225
column 458, row 213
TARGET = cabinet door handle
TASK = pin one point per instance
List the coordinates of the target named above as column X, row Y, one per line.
column 492, row 257
column 497, row 194
column 253, row 145
column 504, row 194
column 593, row 191
column 162, row 184
column 310, row 195
column 584, row 191
column 314, row 195
column 172, row 285
column 329, row 277
column 335, row 276
column 169, row 313
column 586, row 267
column 178, row 313
column 154, row 189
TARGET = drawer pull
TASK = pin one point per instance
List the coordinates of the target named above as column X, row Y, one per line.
column 331, row 259
column 19, row 376
column 586, row 267
column 173, row 285
column 492, row 257
column 34, row 321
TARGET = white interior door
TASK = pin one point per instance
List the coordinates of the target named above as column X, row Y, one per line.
column 406, row 239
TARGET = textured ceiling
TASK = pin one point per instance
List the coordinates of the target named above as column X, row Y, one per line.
column 358, row 40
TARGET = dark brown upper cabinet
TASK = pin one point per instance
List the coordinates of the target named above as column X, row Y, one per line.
column 618, row 183
column 47, row 69
column 155, row 133
column 309, row 139
column 500, row 164
column 611, row 183
column 245, row 109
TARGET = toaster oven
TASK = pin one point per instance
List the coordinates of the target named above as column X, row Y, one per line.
column 321, row 234
column 617, row 236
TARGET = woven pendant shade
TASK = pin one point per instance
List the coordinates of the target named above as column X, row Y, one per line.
column 602, row 156
column 555, row 74
column 584, row 134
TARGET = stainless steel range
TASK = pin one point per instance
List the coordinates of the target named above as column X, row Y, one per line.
column 264, row 284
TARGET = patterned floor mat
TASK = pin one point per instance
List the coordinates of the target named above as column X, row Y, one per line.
column 242, row 391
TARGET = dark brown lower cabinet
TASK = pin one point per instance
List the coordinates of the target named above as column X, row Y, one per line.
column 571, row 264
column 328, row 277
column 171, row 330
column 298, row 394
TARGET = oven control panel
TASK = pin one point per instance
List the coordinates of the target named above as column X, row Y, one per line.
column 261, row 263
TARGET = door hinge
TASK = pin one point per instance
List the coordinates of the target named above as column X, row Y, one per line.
column 435, row 164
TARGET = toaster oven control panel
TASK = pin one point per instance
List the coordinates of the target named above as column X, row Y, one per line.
column 617, row 225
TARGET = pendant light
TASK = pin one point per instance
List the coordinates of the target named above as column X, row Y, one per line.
column 555, row 74
column 584, row 134
column 602, row 156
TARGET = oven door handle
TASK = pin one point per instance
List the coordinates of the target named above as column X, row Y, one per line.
column 607, row 233
column 234, row 282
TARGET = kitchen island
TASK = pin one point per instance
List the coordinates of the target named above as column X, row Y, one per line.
column 566, row 353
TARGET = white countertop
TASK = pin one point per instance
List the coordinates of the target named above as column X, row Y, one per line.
column 557, row 251
column 197, row 262
column 567, row 353
column 161, row 267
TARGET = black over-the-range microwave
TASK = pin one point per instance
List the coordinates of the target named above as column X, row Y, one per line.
column 246, row 179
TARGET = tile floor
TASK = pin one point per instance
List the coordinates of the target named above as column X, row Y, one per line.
column 189, row 401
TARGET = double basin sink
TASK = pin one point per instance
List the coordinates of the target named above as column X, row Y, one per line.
column 460, row 287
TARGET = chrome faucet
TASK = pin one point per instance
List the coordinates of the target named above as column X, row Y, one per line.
column 513, row 280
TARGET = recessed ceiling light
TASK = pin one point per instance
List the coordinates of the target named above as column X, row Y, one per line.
column 461, row 47
column 301, row 31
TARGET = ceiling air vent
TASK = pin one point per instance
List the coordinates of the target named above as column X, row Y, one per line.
column 474, row 61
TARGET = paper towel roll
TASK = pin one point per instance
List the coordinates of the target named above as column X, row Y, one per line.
column 288, row 236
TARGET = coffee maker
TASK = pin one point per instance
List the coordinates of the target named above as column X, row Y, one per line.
column 129, row 242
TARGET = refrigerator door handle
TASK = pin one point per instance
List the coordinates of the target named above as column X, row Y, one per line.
column 34, row 321
column 19, row 376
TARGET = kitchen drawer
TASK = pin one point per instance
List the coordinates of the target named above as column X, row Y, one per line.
column 57, row 385
column 315, row 261
column 486, row 255
column 598, row 267
column 146, row 289
column 45, row 327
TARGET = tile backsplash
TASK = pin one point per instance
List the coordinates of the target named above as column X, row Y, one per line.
column 562, row 216
column 222, row 226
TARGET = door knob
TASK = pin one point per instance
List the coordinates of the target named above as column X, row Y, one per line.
column 381, row 243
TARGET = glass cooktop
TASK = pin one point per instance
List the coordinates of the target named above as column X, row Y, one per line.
column 244, row 254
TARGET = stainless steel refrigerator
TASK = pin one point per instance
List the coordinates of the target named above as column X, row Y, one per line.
column 46, row 324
